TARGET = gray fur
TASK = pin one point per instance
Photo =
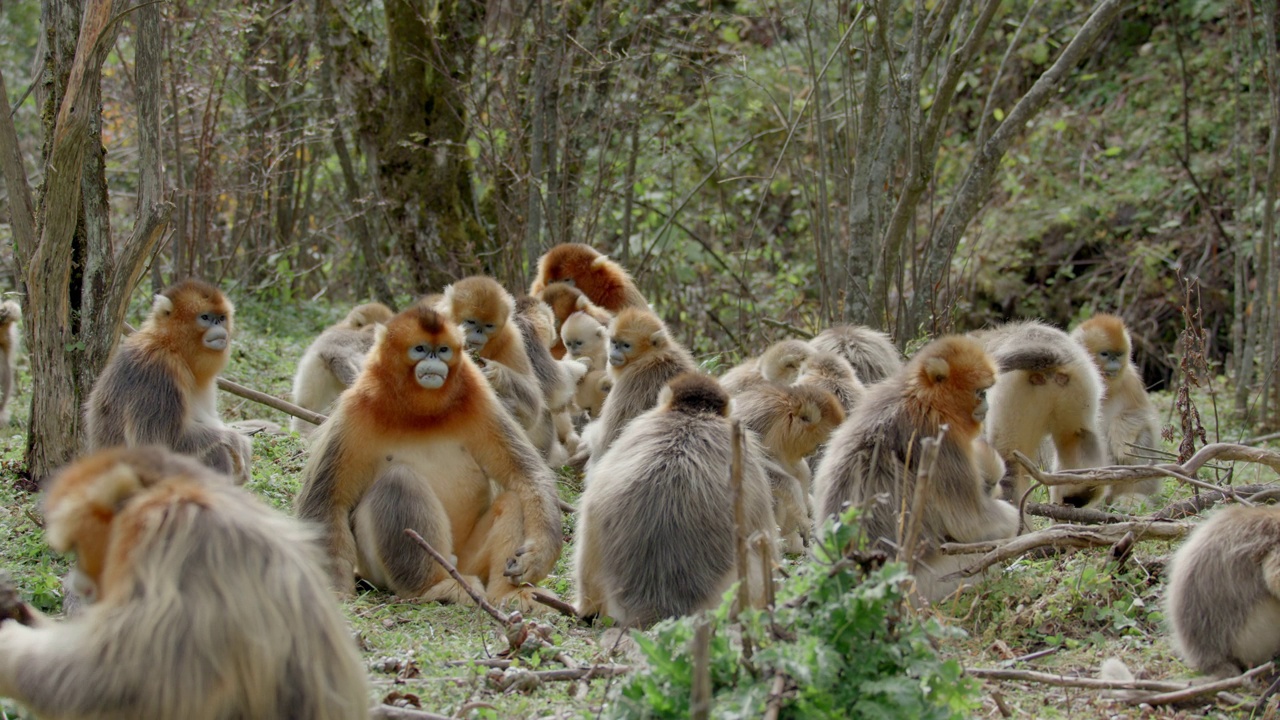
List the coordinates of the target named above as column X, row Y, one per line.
column 871, row 352
column 226, row 614
column 658, row 516
column 329, row 366
column 136, row 402
column 636, row 389
column 388, row 558
column 1223, row 600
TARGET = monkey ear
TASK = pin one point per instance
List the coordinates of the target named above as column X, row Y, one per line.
column 162, row 305
column 664, row 397
column 379, row 332
column 581, row 303
column 599, row 262
column 937, row 369
column 658, row 339
column 602, row 332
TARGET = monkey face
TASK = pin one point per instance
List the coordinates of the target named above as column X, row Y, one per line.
column 1110, row 361
column 981, row 407
column 477, row 332
column 431, row 364
column 621, row 351
column 213, row 326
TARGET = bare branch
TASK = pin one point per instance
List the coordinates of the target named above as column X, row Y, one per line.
column 1061, row 536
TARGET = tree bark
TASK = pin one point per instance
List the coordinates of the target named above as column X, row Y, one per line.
column 71, row 326
column 419, row 131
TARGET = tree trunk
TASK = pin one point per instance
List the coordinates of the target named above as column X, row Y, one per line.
column 71, row 273
column 419, row 131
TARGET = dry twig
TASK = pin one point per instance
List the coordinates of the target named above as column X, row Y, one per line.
column 1077, row 536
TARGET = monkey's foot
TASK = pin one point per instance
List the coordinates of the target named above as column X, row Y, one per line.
column 451, row 591
column 519, row 598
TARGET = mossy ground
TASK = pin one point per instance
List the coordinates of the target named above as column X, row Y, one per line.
column 1082, row 606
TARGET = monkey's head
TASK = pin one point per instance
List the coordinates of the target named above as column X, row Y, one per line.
column 84, row 498
column 362, row 316
column 10, row 312
column 582, row 335
column 193, row 314
column 564, row 299
column 481, row 307
column 811, row 416
column 947, row 381
column 417, row 349
column 828, row 366
column 568, row 263
column 781, row 362
column 693, row 394
column 1107, row 340
column 634, row 334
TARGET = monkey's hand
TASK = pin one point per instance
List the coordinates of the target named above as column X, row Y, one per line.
column 531, row 562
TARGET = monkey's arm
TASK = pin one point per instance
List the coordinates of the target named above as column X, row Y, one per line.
column 344, row 362
column 964, row 509
column 331, row 486
column 1137, row 426
column 506, row 456
column 518, row 392
column 74, row 669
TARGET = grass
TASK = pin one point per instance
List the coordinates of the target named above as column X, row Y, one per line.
column 1079, row 607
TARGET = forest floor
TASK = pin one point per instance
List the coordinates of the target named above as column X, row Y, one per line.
column 1061, row 614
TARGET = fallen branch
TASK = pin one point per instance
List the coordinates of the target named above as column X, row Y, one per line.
column 480, row 599
column 1229, row 452
column 1066, row 513
column 1044, row 678
column 391, row 712
column 519, row 678
column 271, row 401
column 556, row 604
column 1060, row 536
column 1195, row 505
column 1195, row 691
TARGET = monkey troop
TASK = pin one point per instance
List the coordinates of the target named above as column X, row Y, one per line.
column 158, row 387
column 420, row 441
column 207, row 604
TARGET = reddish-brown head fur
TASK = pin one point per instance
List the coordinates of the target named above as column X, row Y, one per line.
column 387, row 392
column 694, row 393
column 603, row 281
column 84, row 498
column 562, row 298
column 172, row 327
column 945, row 383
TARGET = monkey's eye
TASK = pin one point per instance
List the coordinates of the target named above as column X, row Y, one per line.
column 626, row 346
column 444, row 352
column 488, row 326
column 418, row 352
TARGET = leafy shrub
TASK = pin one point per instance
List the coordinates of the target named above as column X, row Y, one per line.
column 841, row 634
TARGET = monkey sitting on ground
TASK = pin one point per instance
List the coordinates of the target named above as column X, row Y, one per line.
column 871, row 353
column 1223, row 600
column 421, row 441
column 791, row 422
column 873, row 460
column 159, row 387
column 333, row 360
column 780, row 363
column 656, row 534
column 565, row 300
column 208, row 604
column 485, row 312
column 1128, row 417
column 643, row 358
column 1048, row 389
column 10, row 314
column 602, row 280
